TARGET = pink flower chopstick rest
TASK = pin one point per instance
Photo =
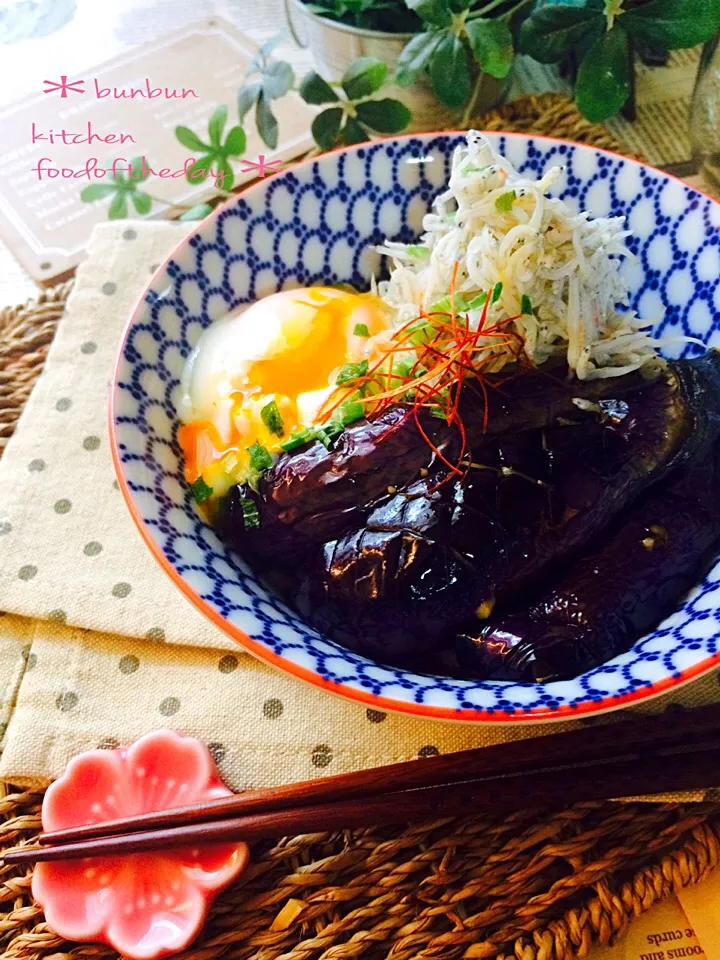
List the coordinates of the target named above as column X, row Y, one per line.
column 144, row 905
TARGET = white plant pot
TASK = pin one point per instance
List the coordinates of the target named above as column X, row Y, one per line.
column 334, row 46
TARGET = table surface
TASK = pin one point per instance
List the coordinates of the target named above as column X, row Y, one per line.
column 51, row 38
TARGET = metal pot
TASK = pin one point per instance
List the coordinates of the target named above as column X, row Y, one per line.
column 334, row 46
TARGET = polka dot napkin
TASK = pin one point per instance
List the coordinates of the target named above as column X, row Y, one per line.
column 69, row 550
column 97, row 646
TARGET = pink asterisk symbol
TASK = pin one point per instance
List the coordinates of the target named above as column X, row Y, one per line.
column 263, row 166
column 77, row 86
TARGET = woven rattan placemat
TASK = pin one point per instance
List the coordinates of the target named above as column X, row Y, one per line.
column 530, row 886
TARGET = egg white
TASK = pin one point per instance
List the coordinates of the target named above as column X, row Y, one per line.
column 287, row 348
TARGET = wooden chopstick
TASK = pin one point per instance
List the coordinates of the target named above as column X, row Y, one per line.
column 692, row 766
column 585, row 745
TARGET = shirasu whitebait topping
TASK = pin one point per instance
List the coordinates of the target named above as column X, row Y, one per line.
column 557, row 272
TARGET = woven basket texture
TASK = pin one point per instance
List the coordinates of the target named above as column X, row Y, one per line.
column 529, row 886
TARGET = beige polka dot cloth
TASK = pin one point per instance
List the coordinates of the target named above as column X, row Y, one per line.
column 97, row 646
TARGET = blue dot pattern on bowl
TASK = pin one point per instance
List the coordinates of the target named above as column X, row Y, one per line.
column 316, row 223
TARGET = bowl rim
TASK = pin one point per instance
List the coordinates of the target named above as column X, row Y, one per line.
column 542, row 714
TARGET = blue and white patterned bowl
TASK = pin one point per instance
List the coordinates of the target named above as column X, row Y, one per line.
column 316, row 223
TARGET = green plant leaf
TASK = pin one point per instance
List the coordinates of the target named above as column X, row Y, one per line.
column 415, row 57
column 266, row 123
column 235, row 143
column 246, row 99
column 203, row 164
column 353, row 132
column 313, row 89
column 273, row 41
column 277, row 79
column 449, row 71
column 603, row 80
column 436, row 12
column 673, row 24
column 457, row 6
column 96, row 191
column 189, row 139
column 363, row 77
column 137, row 174
column 551, row 31
column 326, row 126
column 118, row 209
column 198, row 212
column 256, row 64
column 387, row 15
column 141, row 201
column 216, row 124
column 492, row 46
column 385, row 116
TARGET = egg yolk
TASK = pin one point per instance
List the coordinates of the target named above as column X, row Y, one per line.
column 286, row 349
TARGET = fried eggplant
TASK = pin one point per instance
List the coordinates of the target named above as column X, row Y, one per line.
column 377, row 544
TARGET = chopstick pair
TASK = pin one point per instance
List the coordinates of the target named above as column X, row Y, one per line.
column 638, row 756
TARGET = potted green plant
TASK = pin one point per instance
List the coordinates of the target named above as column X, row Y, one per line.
column 449, row 58
column 455, row 46
column 598, row 38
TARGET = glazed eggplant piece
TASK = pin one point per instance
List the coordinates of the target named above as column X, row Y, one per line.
column 316, row 494
column 427, row 556
column 424, row 560
column 620, row 590
column 378, row 547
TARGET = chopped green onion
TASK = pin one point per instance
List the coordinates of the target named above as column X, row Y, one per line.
column 351, row 372
column 438, row 413
column 260, row 458
column 332, row 429
column 323, row 436
column 526, row 304
column 404, row 366
column 497, row 290
column 361, row 330
column 504, row 202
column 298, row 439
column 272, row 419
column 477, row 301
column 369, row 388
column 421, row 332
column 252, row 479
column 349, row 411
column 229, row 462
column 443, row 305
column 416, row 250
column 251, row 517
column 200, row 490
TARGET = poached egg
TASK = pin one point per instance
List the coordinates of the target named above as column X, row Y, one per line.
column 286, row 349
